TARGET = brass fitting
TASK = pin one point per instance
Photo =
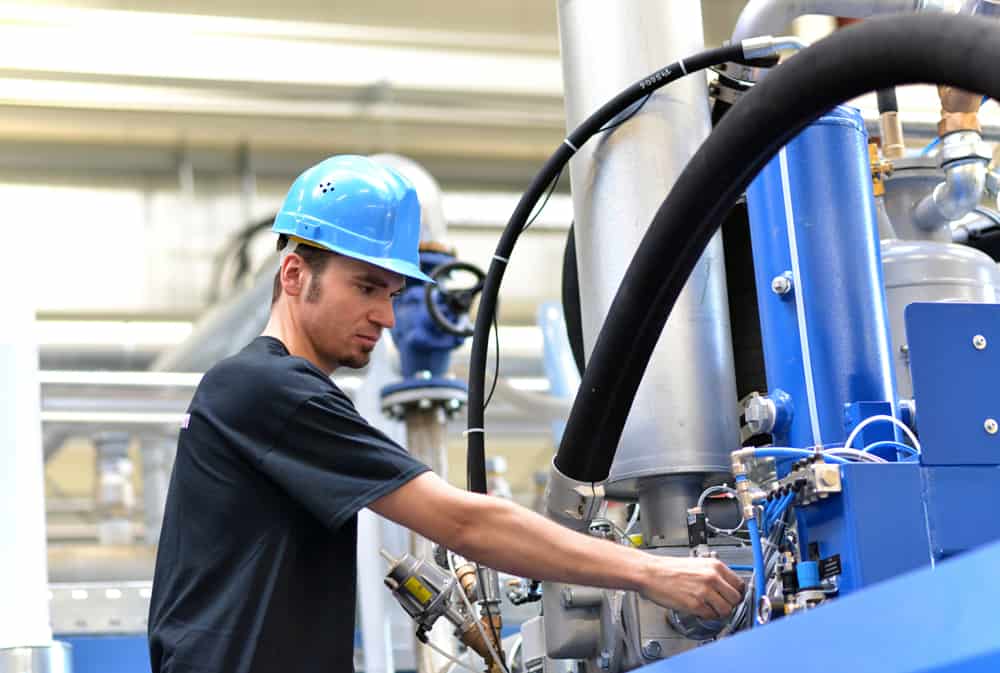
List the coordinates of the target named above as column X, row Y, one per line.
column 959, row 110
column 466, row 574
column 893, row 146
column 880, row 168
column 472, row 638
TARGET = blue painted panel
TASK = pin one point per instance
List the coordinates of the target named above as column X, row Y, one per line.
column 956, row 386
column 109, row 654
column 876, row 524
column 938, row 620
column 962, row 508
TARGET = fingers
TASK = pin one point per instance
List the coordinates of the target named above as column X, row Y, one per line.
column 718, row 606
column 731, row 578
column 728, row 593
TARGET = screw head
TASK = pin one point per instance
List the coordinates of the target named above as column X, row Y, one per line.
column 991, row 426
column 979, row 341
column 652, row 650
column 781, row 285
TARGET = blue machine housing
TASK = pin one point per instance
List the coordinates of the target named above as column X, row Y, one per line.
column 895, row 517
column 927, row 621
column 824, row 325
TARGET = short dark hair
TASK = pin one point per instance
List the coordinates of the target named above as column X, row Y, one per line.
column 315, row 258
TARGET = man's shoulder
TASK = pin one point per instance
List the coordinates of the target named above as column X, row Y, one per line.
column 265, row 371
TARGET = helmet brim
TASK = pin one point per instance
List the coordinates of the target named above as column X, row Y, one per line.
column 399, row 266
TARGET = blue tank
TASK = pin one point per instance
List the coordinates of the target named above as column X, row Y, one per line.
column 818, row 270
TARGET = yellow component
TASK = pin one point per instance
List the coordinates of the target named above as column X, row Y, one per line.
column 418, row 590
column 635, row 539
column 880, row 169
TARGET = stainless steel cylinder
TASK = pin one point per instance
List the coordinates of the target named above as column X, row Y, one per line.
column 683, row 419
column 663, row 503
column 922, row 271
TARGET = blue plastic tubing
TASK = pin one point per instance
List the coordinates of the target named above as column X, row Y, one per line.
column 759, row 584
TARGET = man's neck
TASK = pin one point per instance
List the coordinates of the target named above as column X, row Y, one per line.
column 283, row 327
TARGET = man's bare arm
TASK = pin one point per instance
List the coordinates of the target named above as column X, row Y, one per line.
column 511, row 538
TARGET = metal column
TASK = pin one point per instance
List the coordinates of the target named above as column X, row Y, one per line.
column 26, row 644
column 619, row 179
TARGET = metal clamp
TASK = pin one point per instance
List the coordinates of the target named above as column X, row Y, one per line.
column 570, row 502
column 963, row 146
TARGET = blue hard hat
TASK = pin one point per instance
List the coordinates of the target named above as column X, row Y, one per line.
column 356, row 207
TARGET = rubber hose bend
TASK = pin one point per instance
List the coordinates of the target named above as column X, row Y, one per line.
column 875, row 54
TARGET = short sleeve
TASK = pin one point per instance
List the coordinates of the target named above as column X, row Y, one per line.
column 329, row 459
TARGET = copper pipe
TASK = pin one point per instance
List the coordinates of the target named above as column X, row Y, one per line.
column 959, row 110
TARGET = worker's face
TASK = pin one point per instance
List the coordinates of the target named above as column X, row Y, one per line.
column 345, row 309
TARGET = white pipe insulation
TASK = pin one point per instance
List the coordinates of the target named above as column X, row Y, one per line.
column 24, row 606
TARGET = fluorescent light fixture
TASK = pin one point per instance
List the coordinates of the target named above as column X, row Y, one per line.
column 152, row 333
column 113, row 417
column 129, row 379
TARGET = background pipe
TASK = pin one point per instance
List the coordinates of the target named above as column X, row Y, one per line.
column 770, row 17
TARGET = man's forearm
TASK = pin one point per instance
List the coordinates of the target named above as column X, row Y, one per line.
column 516, row 540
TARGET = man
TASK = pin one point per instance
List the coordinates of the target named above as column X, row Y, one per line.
column 256, row 565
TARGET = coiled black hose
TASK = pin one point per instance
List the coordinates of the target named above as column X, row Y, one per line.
column 876, row 54
column 476, row 459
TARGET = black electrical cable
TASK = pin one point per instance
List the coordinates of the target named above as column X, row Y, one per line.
column 496, row 327
column 545, row 201
column 887, row 100
column 496, row 361
column 876, row 54
column 476, row 459
column 633, row 112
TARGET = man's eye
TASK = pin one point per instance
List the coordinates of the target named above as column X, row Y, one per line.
column 366, row 289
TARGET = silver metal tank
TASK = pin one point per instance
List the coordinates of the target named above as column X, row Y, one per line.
column 923, row 265
column 925, row 271
column 683, row 420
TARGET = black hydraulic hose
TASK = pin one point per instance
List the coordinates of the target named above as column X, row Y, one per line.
column 876, row 54
column 476, row 458
column 887, row 100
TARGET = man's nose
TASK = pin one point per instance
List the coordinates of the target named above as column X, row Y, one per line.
column 384, row 316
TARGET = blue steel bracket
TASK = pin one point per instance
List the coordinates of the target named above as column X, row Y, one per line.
column 936, row 620
column 955, row 365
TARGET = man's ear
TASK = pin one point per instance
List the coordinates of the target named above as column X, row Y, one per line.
column 294, row 275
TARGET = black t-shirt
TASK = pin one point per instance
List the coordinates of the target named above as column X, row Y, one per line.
column 256, row 567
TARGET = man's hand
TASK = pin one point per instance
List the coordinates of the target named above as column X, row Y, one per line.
column 513, row 539
column 700, row 586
